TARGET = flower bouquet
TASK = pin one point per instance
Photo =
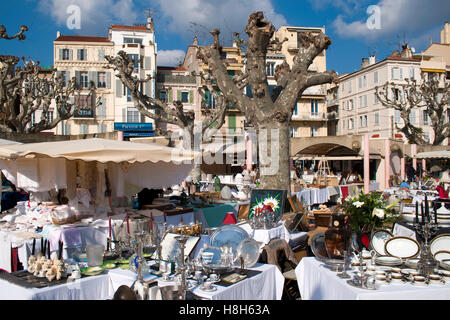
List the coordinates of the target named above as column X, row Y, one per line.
column 369, row 212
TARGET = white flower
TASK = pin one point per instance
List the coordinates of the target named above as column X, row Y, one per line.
column 379, row 213
column 358, row 204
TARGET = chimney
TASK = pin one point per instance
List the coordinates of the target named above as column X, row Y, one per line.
column 149, row 23
column 406, row 52
column 364, row 63
column 58, row 34
column 372, row 60
column 195, row 41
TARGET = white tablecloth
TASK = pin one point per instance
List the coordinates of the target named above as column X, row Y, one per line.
column 267, row 285
column 90, row 288
column 264, row 236
column 316, row 282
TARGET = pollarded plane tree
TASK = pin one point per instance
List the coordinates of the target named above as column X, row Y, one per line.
column 430, row 94
column 174, row 112
column 24, row 90
column 269, row 112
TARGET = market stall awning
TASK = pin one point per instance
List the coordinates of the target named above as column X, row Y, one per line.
column 101, row 150
column 443, row 154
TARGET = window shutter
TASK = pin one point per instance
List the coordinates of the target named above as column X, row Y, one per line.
column 78, row 54
column 170, row 97
column 118, row 88
column 191, row 97
column 147, row 88
column 70, row 54
column 101, row 55
column 207, row 98
column 92, row 77
column 108, row 80
column 401, row 73
column 60, row 54
column 77, row 77
column 67, row 75
column 179, row 95
column 124, row 115
column 147, row 63
column 232, row 122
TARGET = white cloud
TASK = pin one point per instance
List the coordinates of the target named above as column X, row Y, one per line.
column 413, row 18
column 227, row 15
column 170, row 58
column 95, row 16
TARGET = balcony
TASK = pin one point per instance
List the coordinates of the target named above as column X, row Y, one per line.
column 332, row 102
column 305, row 116
column 166, row 78
column 87, row 113
column 333, row 115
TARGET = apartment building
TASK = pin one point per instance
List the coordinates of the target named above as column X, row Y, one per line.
column 310, row 114
column 82, row 57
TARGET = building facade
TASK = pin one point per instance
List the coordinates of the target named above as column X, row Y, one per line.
column 83, row 57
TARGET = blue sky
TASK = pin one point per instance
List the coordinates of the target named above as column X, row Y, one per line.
column 176, row 22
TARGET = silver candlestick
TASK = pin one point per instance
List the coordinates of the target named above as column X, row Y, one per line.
column 427, row 263
column 182, row 267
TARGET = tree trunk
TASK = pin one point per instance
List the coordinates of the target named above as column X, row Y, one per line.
column 274, row 154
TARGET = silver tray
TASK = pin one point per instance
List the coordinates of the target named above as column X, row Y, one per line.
column 249, row 250
column 230, row 235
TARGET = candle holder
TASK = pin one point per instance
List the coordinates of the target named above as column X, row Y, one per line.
column 427, row 263
column 158, row 237
column 343, row 274
column 181, row 269
column 362, row 280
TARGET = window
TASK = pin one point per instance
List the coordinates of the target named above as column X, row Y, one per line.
column 426, row 118
column 101, row 128
column 375, row 77
column 412, row 116
column 163, row 96
column 132, row 115
column 101, row 55
column 361, row 101
column 375, row 98
column 84, row 79
column 377, row 118
column 135, row 59
column 351, row 123
column 350, row 105
column 49, row 116
column 295, row 110
column 82, row 54
column 293, row 132
column 184, row 97
column 365, row 121
column 314, row 108
column 84, row 128
column 101, row 79
column 360, row 82
column 132, row 40
column 365, row 100
column 349, row 87
column 65, row 54
column 361, row 122
column 397, row 116
column 66, row 129
column 129, row 99
column 64, row 78
column 364, row 81
column 314, row 131
column 411, row 72
column 397, row 73
column 270, row 69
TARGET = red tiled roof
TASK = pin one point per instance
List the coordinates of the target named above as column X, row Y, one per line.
column 82, row 39
column 122, row 27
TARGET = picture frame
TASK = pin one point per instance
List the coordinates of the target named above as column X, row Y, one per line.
column 274, row 198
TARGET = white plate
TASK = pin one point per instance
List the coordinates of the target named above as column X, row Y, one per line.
column 402, row 247
column 445, row 264
column 379, row 238
column 440, row 243
column 441, row 255
column 412, row 263
column 388, row 261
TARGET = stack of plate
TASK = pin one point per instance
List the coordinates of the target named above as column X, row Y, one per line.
column 388, row 261
column 443, row 216
column 440, row 247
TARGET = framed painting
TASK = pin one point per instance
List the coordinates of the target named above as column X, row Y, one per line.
column 267, row 199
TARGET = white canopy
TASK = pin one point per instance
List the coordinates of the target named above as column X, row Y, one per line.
column 101, row 150
column 443, row 154
column 39, row 167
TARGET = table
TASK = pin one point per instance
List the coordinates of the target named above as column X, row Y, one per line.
column 268, row 285
column 317, row 282
column 89, row 288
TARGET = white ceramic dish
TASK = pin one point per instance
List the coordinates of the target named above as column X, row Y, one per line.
column 445, row 264
column 442, row 255
column 412, row 263
column 378, row 241
column 402, row 247
column 440, row 243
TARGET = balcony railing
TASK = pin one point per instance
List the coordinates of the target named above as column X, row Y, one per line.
column 84, row 113
column 175, row 79
column 319, row 116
